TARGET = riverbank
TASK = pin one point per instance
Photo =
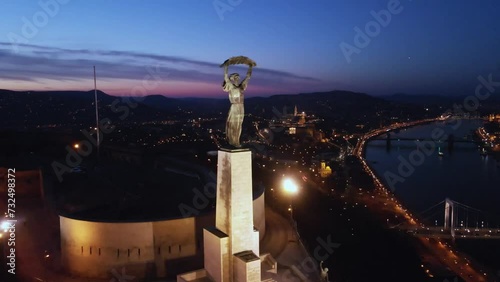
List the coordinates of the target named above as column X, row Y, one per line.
column 488, row 147
column 422, row 173
column 359, row 149
column 437, row 258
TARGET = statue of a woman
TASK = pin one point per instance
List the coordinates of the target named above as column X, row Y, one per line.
column 324, row 272
column 236, row 91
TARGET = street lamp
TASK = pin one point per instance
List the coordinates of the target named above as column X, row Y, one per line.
column 291, row 188
column 5, row 226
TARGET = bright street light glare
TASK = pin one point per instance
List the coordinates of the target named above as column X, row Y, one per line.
column 4, row 226
column 290, row 186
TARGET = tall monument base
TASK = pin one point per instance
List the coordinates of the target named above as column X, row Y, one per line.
column 231, row 247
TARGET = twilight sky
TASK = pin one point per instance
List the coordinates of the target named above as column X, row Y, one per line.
column 174, row 47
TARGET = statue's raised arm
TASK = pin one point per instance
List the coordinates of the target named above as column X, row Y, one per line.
column 324, row 272
column 226, row 75
column 244, row 83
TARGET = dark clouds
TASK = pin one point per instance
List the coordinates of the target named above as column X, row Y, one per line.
column 35, row 62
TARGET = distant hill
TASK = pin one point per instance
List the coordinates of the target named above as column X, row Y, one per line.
column 324, row 102
column 27, row 109
column 425, row 100
column 190, row 104
column 491, row 104
column 436, row 99
column 23, row 109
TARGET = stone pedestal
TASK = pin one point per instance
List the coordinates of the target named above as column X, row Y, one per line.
column 246, row 266
column 216, row 254
column 232, row 247
column 234, row 207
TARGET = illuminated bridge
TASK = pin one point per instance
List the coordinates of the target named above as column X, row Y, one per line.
column 424, row 139
column 458, row 221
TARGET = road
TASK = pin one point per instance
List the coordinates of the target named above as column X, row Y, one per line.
column 454, row 261
column 464, row 233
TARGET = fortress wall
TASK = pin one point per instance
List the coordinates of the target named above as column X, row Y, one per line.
column 94, row 249
column 158, row 248
column 175, row 238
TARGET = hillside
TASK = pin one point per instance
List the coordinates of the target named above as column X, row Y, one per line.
column 28, row 109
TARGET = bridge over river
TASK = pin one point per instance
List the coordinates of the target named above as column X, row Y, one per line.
column 458, row 221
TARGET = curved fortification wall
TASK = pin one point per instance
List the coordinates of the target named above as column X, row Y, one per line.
column 146, row 249
column 94, row 249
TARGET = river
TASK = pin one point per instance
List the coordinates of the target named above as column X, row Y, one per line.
column 462, row 174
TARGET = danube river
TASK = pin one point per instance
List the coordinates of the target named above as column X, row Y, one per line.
column 461, row 174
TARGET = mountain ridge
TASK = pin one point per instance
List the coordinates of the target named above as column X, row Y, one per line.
column 21, row 109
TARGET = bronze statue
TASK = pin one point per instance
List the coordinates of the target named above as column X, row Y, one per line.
column 324, row 272
column 236, row 91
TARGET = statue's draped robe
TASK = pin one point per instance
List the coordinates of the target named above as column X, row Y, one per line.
column 236, row 112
